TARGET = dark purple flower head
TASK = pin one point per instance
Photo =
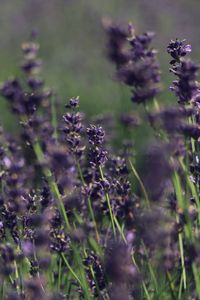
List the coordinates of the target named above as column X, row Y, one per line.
column 24, row 103
column 141, row 70
column 117, row 166
column 13, row 296
column 140, row 46
column 191, row 130
column 72, row 122
column 157, row 170
column 117, row 42
column 178, row 49
column 59, row 240
column 186, row 70
column 73, row 103
column 154, row 228
column 140, row 74
column 143, row 76
column 60, row 157
column 35, row 83
column 92, row 260
column 32, row 66
column 33, row 289
column 119, row 292
column 143, row 95
column 96, row 135
column 46, row 197
column 72, row 129
column 129, row 120
column 11, row 89
column 171, row 119
column 186, row 87
column 97, row 156
column 118, row 265
column 27, row 247
column 30, row 49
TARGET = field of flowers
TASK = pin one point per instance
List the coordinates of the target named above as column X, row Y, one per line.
column 78, row 220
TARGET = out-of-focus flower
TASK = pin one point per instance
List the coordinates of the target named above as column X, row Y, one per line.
column 157, row 170
column 117, row 43
column 129, row 120
column 139, row 69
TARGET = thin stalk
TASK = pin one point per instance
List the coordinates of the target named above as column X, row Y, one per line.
column 89, row 204
column 55, row 191
column 95, row 246
column 38, row 273
column 180, row 287
column 109, row 204
column 150, row 269
column 17, row 276
column 84, row 281
column 171, row 285
column 53, row 186
column 71, row 270
column 156, row 105
column 114, row 220
column 11, row 280
column 92, row 272
column 183, row 204
column 120, row 229
column 2, row 290
column 192, row 188
column 182, row 260
column 59, row 273
column 80, row 172
column 140, row 182
column 191, row 121
column 68, row 286
column 148, row 297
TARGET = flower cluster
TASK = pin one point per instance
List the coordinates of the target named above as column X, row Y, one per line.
column 186, row 87
column 177, row 49
column 80, row 218
column 138, row 66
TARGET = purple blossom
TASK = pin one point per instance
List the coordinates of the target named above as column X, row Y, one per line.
column 140, row 70
column 186, row 87
column 95, row 134
column 177, row 49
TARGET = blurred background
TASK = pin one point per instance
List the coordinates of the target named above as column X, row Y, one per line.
column 73, row 43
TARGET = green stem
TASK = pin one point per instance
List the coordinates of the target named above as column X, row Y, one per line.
column 180, row 287
column 171, row 285
column 182, row 260
column 91, row 211
column 52, row 183
column 150, row 268
column 59, row 273
column 71, row 270
column 143, row 283
column 2, row 290
column 140, row 182
column 17, row 276
column 109, row 204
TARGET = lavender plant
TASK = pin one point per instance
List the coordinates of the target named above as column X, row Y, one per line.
column 77, row 219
